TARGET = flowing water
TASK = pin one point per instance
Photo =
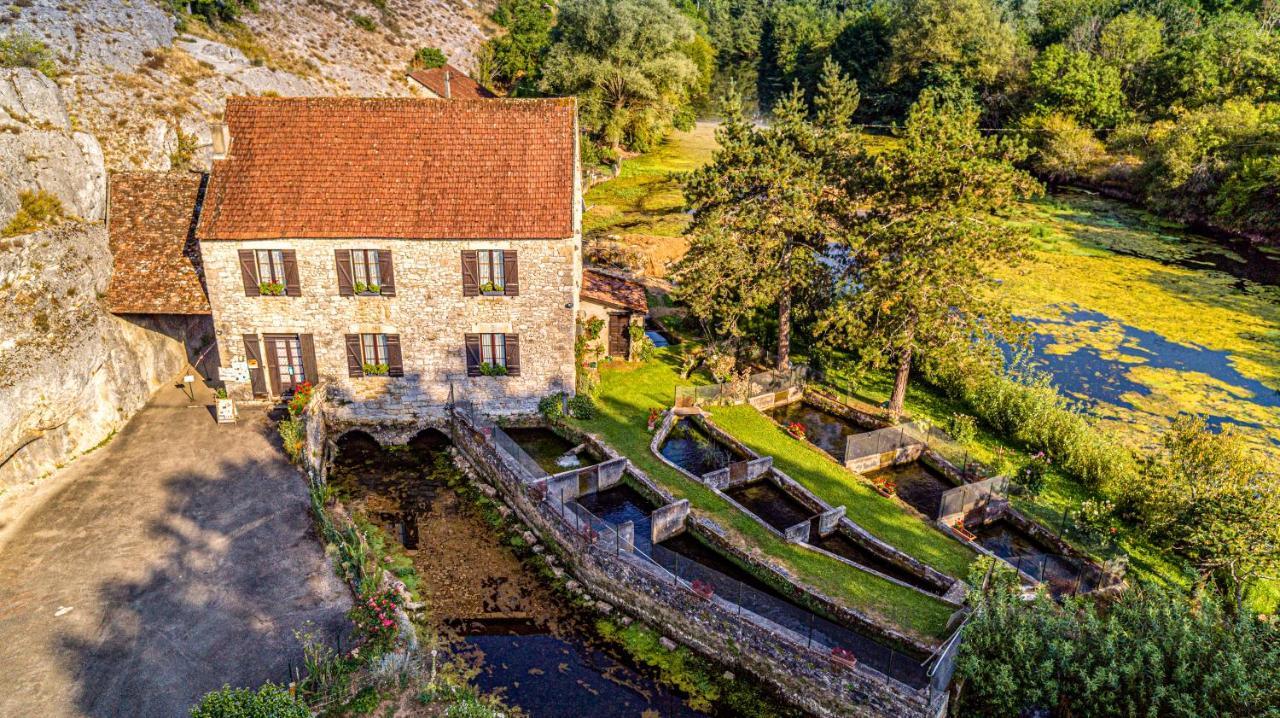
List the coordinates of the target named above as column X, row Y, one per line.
column 524, row 642
column 549, row 449
column 690, row 448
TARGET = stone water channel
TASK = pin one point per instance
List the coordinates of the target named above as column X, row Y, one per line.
column 524, row 641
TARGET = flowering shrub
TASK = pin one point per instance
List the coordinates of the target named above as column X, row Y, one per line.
column 270, row 289
column 844, row 656
column 1096, row 518
column 797, row 429
column 374, row 618
column 1031, row 475
column 703, row 588
column 962, row 427
column 301, row 397
column 654, row 414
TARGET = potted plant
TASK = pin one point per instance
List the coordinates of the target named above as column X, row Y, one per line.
column 225, row 407
column 487, row 369
column 270, row 289
column 491, row 288
column 379, row 369
column 797, row 430
column 843, row 657
column 654, row 414
column 362, row 288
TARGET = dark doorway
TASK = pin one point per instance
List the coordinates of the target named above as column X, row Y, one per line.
column 620, row 336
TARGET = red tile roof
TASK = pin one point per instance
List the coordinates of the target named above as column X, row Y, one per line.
column 613, row 291
column 459, row 87
column 394, row 167
column 150, row 226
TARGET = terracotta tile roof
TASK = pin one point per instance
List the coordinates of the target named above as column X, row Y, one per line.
column 150, row 228
column 613, row 291
column 460, row 86
column 403, row 168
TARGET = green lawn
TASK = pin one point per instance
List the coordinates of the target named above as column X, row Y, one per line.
column 1146, row 561
column 838, row 486
column 629, row 391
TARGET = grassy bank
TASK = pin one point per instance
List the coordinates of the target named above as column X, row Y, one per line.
column 629, row 391
column 838, row 486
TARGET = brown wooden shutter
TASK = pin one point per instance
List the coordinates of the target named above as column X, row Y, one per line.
column 249, row 273
column 254, row 354
column 510, row 273
column 395, row 361
column 387, row 273
column 292, row 287
column 355, row 364
column 346, row 285
column 273, row 371
column 470, row 274
column 472, row 342
column 513, row 354
column 308, row 344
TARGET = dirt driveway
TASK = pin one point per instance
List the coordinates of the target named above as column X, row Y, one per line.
column 174, row 559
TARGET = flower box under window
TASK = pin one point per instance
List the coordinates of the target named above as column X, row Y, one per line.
column 271, row 289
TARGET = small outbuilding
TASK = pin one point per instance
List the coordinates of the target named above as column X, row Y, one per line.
column 620, row 302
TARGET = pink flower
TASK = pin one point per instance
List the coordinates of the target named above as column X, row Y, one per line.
column 387, row 622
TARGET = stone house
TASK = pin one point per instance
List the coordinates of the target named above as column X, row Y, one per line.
column 619, row 303
column 402, row 250
column 449, row 83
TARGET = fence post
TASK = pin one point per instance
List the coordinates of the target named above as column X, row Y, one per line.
column 809, row 644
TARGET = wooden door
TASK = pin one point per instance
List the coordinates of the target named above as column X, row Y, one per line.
column 288, row 367
column 620, row 336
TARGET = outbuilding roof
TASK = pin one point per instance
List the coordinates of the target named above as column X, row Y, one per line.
column 449, row 82
column 403, row 168
column 609, row 290
column 151, row 231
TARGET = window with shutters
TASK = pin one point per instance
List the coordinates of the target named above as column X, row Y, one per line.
column 489, row 263
column 373, row 354
column 365, row 270
column 271, row 271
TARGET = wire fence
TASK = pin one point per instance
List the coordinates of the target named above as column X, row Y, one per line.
column 742, row 391
column 798, row 625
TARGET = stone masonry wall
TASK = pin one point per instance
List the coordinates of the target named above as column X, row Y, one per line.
column 428, row 312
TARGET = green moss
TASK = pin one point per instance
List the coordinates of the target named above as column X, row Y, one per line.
column 628, row 391
column 37, row 209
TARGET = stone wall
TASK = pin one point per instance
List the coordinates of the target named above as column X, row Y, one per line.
column 428, row 312
column 71, row 374
column 807, row 677
column 591, row 310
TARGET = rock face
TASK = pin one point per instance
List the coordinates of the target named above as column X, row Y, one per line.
column 70, row 373
column 39, row 150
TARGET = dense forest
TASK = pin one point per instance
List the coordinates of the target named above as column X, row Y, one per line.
column 1170, row 102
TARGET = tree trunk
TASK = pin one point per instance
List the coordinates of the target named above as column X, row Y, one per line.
column 900, row 383
column 784, row 331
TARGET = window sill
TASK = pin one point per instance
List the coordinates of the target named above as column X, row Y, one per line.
column 493, row 294
column 369, row 294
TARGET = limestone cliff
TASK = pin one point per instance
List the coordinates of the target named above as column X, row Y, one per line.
column 70, row 373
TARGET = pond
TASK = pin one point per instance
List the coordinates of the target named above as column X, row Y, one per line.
column 549, row 449
column 773, row 505
column 690, row 448
column 1059, row 573
column 918, row 484
column 524, row 642
column 691, row 559
column 620, row 504
column 845, row 546
column 1139, row 320
column 824, row 429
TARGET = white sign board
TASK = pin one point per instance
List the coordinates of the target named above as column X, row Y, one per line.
column 238, row 371
column 226, row 411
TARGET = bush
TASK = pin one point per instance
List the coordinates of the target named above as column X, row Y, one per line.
column 582, row 407
column 642, row 347
column 551, row 407
column 962, row 427
column 1031, row 475
column 427, row 58
column 20, row 49
column 293, row 434
column 269, row 701
column 364, row 22
column 375, row 620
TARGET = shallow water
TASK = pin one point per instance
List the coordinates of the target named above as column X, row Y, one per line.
column 548, row 448
column 620, row 504
column 918, row 484
column 824, row 429
column 842, row 545
column 771, row 504
column 524, row 641
column 690, row 448
column 1060, row 573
